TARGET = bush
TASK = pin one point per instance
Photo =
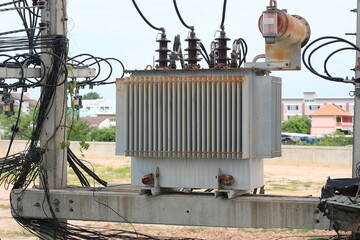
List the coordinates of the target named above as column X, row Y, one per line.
column 336, row 139
column 103, row 134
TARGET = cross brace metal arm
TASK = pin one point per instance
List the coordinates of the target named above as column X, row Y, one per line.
column 10, row 73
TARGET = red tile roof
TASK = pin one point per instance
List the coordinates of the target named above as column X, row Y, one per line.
column 330, row 110
column 94, row 121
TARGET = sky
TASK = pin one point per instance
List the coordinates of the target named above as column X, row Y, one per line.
column 113, row 28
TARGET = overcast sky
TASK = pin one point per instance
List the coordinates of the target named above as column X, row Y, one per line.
column 113, row 28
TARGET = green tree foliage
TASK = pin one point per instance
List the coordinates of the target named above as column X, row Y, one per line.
column 103, row 134
column 297, row 124
column 25, row 124
column 78, row 129
column 91, row 95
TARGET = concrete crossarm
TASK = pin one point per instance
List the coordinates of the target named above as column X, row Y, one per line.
column 116, row 205
column 16, row 73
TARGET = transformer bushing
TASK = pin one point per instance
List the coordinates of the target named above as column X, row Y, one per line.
column 192, row 50
column 222, row 49
column 163, row 51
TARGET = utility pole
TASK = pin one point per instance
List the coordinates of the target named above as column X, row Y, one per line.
column 356, row 134
column 54, row 130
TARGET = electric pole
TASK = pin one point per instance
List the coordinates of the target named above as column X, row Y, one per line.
column 356, row 134
column 54, row 130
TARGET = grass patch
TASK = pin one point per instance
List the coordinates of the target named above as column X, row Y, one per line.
column 2, row 206
column 107, row 173
column 292, row 185
column 196, row 229
column 276, row 186
column 16, row 234
column 302, row 231
column 283, row 230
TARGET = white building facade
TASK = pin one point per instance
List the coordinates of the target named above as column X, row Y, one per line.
column 98, row 107
column 310, row 102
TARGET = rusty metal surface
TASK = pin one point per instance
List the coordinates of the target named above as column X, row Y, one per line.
column 293, row 32
column 294, row 28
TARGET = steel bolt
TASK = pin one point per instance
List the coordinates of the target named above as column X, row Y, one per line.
column 56, row 201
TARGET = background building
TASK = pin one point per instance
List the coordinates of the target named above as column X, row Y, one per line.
column 310, row 102
column 329, row 118
column 98, row 107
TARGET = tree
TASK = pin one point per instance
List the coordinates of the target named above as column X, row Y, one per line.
column 25, row 124
column 78, row 129
column 91, row 95
column 297, row 124
column 103, row 134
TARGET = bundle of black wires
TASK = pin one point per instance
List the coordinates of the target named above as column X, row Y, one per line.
column 76, row 164
column 27, row 167
column 321, row 43
column 48, row 229
column 242, row 51
column 87, row 60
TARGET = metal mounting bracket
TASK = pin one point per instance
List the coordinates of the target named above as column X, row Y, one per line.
column 227, row 193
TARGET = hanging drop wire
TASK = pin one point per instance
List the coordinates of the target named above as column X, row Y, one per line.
column 222, row 27
column 144, row 18
column 181, row 19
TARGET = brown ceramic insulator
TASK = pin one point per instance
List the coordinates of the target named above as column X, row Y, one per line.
column 163, row 51
column 222, row 49
column 41, row 4
column 43, row 26
column 193, row 49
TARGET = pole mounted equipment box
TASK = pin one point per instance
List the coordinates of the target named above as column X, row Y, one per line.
column 187, row 128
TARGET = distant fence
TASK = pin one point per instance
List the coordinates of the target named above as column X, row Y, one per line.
column 95, row 148
column 340, row 156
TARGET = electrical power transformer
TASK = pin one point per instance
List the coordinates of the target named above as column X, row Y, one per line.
column 197, row 128
column 204, row 128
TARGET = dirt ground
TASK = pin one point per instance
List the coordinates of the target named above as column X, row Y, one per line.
column 284, row 179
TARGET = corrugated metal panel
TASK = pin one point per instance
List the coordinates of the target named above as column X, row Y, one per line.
column 184, row 116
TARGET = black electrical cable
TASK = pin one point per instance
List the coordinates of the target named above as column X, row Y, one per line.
column 99, row 60
column 330, row 56
column 9, row 3
column 81, row 63
column 181, row 19
column 244, row 49
column 143, row 17
column 20, row 170
column 222, row 27
column 123, row 70
column 204, row 53
column 331, row 40
column 16, row 123
column 77, row 162
column 21, row 75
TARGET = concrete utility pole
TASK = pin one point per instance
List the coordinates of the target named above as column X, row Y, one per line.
column 54, row 130
column 356, row 144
